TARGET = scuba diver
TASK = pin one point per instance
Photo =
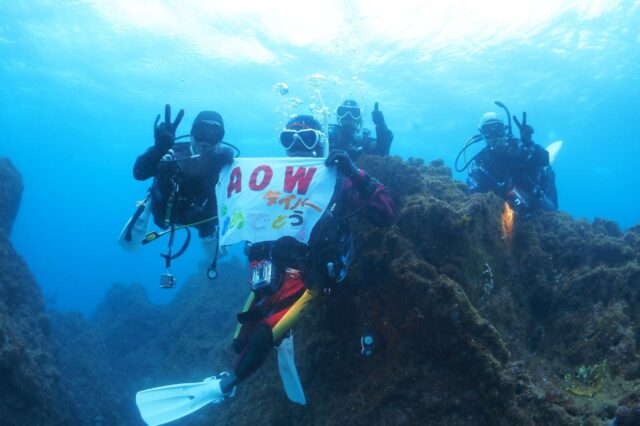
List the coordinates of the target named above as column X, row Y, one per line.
column 517, row 170
column 184, row 178
column 286, row 277
column 348, row 136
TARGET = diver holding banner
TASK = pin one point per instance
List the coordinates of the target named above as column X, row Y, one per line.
column 291, row 264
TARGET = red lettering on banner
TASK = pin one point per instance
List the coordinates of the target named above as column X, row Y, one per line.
column 266, row 180
column 301, row 177
column 235, row 182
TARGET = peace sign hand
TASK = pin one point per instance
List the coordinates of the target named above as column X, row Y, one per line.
column 165, row 132
column 525, row 130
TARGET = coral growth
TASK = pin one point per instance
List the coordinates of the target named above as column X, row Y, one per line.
column 471, row 327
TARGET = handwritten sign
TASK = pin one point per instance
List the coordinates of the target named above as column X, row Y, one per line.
column 263, row 199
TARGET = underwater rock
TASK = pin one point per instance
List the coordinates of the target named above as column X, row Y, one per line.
column 130, row 344
column 85, row 363
column 607, row 227
column 563, row 305
column 10, row 194
column 439, row 360
column 30, row 382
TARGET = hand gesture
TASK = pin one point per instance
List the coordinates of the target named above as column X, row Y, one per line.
column 376, row 116
column 525, row 130
column 340, row 159
column 165, row 132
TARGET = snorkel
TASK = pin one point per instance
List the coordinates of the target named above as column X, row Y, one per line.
column 509, row 128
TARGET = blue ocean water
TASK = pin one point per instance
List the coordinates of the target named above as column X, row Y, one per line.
column 82, row 82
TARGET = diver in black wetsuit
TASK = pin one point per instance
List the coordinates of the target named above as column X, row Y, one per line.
column 185, row 173
column 273, row 308
column 517, row 170
column 347, row 135
column 287, row 276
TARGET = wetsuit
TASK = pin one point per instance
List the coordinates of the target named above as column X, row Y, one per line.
column 302, row 270
column 360, row 142
column 187, row 180
column 520, row 174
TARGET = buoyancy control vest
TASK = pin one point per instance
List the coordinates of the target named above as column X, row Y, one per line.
column 183, row 189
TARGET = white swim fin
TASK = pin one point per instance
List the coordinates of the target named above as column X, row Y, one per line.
column 289, row 373
column 168, row 403
column 553, row 150
column 135, row 229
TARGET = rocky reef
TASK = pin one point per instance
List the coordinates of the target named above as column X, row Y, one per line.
column 30, row 382
column 473, row 326
column 10, row 194
column 130, row 344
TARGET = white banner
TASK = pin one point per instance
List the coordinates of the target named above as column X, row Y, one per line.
column 263, row 199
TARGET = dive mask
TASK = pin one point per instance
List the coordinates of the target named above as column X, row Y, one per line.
column 492, row 130
column 309, row 138
column 208, row 131
column 352, row 113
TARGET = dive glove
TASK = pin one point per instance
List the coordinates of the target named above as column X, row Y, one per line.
column 340, row 159
column 363, row 182
column 165, row 132
column 377, row 117
column 525, row 130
